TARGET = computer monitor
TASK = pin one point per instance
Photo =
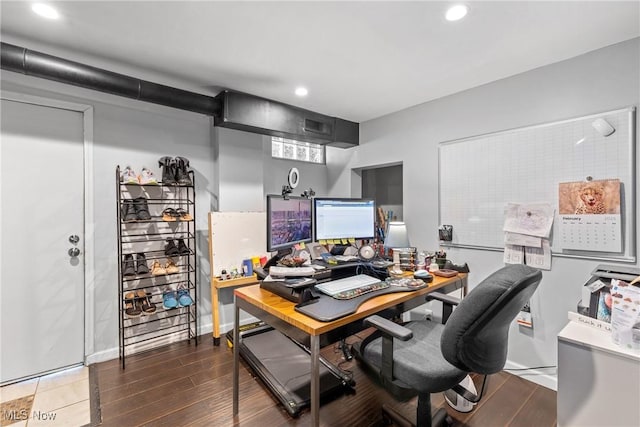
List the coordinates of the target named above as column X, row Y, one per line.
column 341, row 218
column 288, row 222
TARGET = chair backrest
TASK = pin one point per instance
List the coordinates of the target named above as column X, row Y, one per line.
column 475, row 338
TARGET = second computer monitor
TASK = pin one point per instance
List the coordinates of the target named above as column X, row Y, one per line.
column 340, row 218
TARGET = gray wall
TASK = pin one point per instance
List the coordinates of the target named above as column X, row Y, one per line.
column 601, row 80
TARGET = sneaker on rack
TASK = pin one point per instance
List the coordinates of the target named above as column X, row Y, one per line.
column 141, row 264
column 147, row 177
column 128, row 266
column 141, row 209
column 182, row 247
column 184, row 298
column 128, row 211
column 128, row 176
column 170, row 248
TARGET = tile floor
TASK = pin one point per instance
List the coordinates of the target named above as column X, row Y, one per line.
column 59, row 399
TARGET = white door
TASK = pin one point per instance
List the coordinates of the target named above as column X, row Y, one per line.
column 42, row 206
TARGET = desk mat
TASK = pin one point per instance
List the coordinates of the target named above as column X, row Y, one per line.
column 326, row 308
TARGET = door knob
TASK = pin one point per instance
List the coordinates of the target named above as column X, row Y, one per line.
column 74, row 239
column 74, row 252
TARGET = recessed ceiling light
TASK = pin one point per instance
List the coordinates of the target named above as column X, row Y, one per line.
column 301, row 91
column 45, row 10
column 456, row 12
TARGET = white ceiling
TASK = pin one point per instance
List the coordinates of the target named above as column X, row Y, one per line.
column 359, row 60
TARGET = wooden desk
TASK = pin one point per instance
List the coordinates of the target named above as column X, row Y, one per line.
column 280, row 314
column 216, row 285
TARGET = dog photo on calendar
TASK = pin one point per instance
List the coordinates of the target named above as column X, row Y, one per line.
column 589, row 197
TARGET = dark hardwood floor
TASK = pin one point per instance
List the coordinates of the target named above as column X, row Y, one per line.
column 185, row 385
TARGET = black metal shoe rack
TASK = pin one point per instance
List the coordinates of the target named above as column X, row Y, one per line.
column 149, row 237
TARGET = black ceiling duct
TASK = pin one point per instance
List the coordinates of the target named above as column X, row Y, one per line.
column 37, row 64
column 229, row 109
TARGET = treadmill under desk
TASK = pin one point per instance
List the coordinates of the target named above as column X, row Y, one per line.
column 284, row 366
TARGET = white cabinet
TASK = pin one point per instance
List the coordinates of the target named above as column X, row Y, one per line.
column 598, row 381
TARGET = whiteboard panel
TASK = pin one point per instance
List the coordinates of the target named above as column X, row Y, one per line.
column 478, row 176
column 235, row 236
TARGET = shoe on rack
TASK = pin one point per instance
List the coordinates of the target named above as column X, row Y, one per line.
column 171, row 267
column 128, row 267
column 170, row 215
column 184, row 298
column 182, row 247
column 131, row 308
column 183, row 214
column 128, row 211
column 141, row 264
column 141, row 208
column 169, row 300
column 128, row 176
column 170, row 248
column 144, row 300
column 158, row 269
column 147, row 177
column 182, row 172
column 168, row 166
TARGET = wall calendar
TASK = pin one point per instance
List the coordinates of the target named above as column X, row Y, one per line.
column 589, row 215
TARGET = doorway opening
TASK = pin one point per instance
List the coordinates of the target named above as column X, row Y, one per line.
column 384, row 185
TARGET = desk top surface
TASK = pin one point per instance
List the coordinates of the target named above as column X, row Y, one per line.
column 284, row 309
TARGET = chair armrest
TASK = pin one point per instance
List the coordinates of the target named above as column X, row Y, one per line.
column 389, row 327
column 447, row 299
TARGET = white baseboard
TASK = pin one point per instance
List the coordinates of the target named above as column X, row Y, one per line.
column 114, row 352
column 546, row 377
column 102, row 356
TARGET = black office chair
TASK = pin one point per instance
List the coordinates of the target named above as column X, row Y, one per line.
column 428, row 357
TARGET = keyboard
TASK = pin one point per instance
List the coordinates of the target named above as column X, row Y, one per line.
column 291, row 271
column 351, row 287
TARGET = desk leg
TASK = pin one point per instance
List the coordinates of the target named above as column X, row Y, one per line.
column 216, row 315
column 236, row 357
column 315, row 380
